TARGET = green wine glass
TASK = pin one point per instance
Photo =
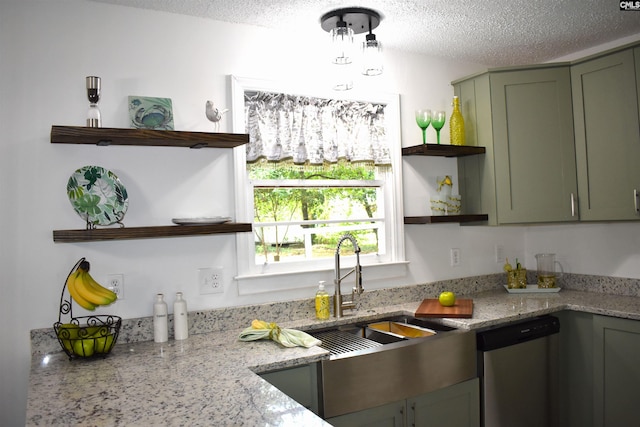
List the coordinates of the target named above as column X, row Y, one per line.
column 423, row 118
column 437, row 121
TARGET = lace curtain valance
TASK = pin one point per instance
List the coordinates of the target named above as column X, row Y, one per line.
column 316, row 132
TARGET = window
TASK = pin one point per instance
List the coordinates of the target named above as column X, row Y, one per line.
column 300, row 207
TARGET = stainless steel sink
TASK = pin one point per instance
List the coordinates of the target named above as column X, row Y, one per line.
column 343, row 340
column 382, row 361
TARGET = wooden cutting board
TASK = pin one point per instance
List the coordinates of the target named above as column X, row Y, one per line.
column 431, row 307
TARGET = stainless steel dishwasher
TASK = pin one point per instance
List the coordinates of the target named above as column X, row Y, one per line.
column 518, row 370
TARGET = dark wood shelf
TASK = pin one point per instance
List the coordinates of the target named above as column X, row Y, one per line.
column 145, row 137
column 124, row 233
column 438, row 219
column 442, row 150
column 148, row 138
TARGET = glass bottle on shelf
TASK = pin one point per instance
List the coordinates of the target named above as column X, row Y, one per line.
column 456, row 124
column 94, row 119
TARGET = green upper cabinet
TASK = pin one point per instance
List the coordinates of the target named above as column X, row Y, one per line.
column 524, row 119
column 607, row 135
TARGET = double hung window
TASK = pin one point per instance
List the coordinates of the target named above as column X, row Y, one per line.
column 315, row 169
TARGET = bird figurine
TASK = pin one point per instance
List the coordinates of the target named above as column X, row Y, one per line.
column 214, row 115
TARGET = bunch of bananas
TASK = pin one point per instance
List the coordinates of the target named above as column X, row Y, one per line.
column 86, row 291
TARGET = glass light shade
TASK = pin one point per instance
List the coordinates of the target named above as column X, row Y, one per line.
column 343, row 80
column 371, row 56
column 342, row 76
column 342, row 43
column 343, row 85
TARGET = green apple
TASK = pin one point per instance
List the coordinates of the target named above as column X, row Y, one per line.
column 67, row 333
column 104, row 344
column 447, row 299
column 90, row 331
column 68, row 330
column 84, row 348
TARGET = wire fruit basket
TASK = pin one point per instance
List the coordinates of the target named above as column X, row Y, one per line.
column 84, row 336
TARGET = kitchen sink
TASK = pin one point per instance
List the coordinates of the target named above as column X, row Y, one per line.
column 345, row 339
column 382, row 361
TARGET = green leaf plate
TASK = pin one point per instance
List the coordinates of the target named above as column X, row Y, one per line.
column 97, row 195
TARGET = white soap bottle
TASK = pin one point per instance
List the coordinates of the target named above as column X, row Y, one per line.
column 180, row 318
column 160, row 324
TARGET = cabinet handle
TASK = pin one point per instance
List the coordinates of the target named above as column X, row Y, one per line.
column 413, row 409
column 636, row 205
column 573, row 205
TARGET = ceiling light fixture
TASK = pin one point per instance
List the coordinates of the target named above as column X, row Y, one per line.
column 371, row 55
column 342, row 24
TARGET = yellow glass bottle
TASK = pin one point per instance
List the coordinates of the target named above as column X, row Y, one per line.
column 323, row 305
column 456, row 124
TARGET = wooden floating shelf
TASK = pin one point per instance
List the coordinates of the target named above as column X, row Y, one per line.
column 442, row 150
column 124, row 233
column 145, row 137
column 438, row 219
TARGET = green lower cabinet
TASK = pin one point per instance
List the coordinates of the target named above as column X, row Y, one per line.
column 299, row 383
column 454, row 406
column 600, row 370
column 616, row 372
column 389, row 415
column 576, row 369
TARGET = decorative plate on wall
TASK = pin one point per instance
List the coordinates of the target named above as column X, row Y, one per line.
column 97, row 195
column 151, row 113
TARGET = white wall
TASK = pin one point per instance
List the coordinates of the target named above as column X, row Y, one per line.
column 46, row 50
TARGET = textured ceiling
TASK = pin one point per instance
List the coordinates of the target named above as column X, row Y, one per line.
column 494, row 33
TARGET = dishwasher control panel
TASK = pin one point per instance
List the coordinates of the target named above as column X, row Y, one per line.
column 515, row 333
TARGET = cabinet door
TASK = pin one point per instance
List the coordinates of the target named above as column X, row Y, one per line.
column 616, row 371
column 299, row 383
column 605, row 102
column 389, row 415
column 575, row 398
column 534, row 152
column 454, row 406
column 476, row 174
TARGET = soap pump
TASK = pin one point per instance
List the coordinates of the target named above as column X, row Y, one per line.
column 323, row 311
column 160, row 323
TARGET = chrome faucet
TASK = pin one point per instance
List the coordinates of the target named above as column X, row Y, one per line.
column 338, row 303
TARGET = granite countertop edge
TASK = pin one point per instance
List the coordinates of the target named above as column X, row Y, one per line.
column 212, row 376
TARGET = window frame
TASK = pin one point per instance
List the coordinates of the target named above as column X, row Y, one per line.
column 394, row 223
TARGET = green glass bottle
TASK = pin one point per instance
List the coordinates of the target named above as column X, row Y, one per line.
column 456, row 124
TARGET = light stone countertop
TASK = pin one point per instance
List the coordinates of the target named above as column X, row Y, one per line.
column 210, row 378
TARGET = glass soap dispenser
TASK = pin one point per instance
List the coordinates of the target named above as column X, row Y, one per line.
column 323, row 310
column 456, row 124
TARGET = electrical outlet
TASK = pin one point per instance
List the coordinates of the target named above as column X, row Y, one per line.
column 115, row 282
column 499, row 251
column 455, row 257
column 210, row 280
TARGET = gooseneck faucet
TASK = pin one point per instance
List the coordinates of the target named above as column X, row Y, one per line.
column 338, row 303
